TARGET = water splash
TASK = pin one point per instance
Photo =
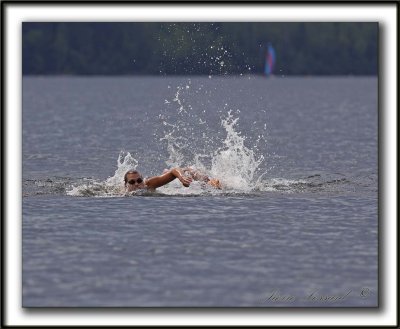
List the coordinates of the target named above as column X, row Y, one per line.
column 223, row 155
column 221, row 152
column 234, row 163
column 193, row 51
column 95, row 188
column 125, row 162
column 112, row 186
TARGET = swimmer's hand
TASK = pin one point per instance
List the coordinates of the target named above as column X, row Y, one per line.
column 185, row 180
column 197, row 175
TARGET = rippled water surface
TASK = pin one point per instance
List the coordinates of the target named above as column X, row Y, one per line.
column 295, row 224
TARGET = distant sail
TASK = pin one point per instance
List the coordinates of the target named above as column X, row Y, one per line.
column 270, row 60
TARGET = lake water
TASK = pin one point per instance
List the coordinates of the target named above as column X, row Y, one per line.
column 295, row 224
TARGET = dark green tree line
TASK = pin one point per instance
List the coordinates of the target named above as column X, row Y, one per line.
column 198, row 48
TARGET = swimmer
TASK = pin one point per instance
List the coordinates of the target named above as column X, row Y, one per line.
column 134, row 180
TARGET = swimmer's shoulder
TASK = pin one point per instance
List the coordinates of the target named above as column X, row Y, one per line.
column 146, row 187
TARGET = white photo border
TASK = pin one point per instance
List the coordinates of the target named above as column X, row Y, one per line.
column 13, row 14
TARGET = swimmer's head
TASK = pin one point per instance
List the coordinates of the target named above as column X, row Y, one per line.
column 133, row 180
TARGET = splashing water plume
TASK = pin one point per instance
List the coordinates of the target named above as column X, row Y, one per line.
column 125, row 162
column 191, row 141
column 230, row 161
column 234, row 163
column 113, row 185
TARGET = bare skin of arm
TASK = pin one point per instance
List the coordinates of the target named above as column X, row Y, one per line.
column 167, row 177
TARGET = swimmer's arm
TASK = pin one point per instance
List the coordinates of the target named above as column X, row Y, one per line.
column 167, row 177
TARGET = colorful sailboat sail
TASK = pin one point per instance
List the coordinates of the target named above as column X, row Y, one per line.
column 270, row 60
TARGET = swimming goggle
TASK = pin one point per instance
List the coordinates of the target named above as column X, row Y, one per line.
column 132, row 181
